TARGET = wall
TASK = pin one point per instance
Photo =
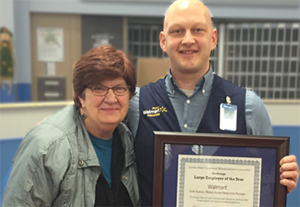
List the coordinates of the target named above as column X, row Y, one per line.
column 23, row 50
column 17, row 119
column 97, row 30
column 293, row 199
column 22, row 10
column 7, row 14
column 224, row 9
column 25, row 116
column 63, row 68
column 284, row 112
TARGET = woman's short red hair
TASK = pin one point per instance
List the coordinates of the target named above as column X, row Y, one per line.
column 102, row 63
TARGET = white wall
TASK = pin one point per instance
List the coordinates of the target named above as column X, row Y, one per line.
column 22, row 41
column 17, row 119
column 284, row 113
column 7, row 14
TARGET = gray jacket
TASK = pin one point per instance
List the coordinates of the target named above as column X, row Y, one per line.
column 56, row 165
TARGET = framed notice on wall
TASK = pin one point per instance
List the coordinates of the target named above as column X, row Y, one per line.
column 50, row 44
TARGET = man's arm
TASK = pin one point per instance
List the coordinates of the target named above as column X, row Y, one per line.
column 259, row 123
column 133, row 115
column 257, row 117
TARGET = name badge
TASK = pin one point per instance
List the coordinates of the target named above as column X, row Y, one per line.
column 228, row 116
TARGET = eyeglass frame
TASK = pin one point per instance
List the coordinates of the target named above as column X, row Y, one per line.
column 107, row 89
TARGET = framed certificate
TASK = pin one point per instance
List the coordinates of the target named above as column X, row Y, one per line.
column 198, row 169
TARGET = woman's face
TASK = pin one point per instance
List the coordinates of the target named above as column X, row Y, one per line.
column 104, row 113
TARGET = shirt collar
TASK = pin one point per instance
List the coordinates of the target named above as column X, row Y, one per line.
column 204, row 84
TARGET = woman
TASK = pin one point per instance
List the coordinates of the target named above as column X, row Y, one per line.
column 82, row 155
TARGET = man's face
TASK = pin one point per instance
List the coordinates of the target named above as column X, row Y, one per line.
column 188, row 38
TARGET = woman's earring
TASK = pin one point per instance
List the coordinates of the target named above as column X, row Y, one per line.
column 83, row 116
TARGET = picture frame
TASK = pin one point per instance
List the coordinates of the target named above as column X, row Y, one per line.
column 174, row 186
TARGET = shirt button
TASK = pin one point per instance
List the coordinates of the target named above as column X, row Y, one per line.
column 81, row 162
column 188, row 101
column 125, row 177
column 203, row 91
column 185, row 125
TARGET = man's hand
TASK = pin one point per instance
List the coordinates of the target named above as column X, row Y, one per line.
column 289, row 172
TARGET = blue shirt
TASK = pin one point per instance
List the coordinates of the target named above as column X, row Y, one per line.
column 103, row 150
column 190, row 110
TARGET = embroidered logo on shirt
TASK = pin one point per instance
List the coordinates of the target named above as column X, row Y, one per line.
column 155, row 111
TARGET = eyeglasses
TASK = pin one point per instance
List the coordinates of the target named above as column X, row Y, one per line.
column 118, row 90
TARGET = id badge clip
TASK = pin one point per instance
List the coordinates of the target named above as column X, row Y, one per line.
column 228, row 115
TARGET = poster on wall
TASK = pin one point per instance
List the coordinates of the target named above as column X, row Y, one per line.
column 50, row 44
column 102, row 39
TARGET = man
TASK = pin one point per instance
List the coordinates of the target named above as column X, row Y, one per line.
column 189, row 97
